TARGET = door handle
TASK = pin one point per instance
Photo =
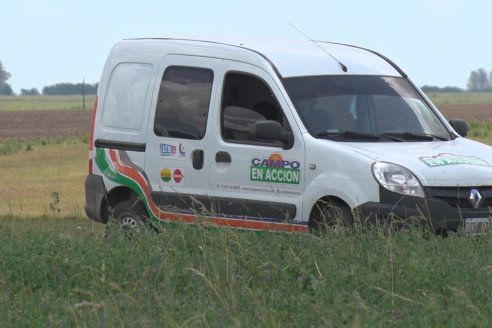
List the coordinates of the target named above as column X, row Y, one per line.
column 197, row 159
column 222, row 157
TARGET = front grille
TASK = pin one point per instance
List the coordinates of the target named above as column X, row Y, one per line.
column 459, row 196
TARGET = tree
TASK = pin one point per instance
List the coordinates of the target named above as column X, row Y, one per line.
column 70, row 89
column 478, row 80
column 449, row 89
column 29, row 92
column 5, row 88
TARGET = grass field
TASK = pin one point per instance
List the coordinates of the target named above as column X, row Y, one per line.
column 60, row 272
column 31, row 178
column 463, row 98
column 19, row 103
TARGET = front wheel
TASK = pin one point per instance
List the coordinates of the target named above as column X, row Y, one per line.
column 328, row 216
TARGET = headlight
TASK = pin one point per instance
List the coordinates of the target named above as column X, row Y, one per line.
column 397, row 179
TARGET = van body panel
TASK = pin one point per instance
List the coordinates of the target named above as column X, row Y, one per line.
column 95, row 193
column 318, row 62
column 459, row 162
column 327, row 175
column 283, row 54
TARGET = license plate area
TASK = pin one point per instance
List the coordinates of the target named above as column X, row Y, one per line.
column 476, row 226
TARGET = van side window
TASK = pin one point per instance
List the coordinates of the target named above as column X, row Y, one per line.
column 124, row 101
column 246, row 100
column 183, row 102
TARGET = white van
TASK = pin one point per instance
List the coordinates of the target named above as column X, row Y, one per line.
column 277, row 135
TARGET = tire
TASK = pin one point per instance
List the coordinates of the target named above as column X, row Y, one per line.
column 131, row 217
column 330, row 217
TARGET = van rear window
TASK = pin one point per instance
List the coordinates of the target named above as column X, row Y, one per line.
column 183, row 102
column 125, row 96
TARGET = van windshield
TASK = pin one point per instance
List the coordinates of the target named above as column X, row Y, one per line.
column 364, row 108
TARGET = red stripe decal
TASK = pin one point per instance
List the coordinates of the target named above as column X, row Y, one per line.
column 134, row 175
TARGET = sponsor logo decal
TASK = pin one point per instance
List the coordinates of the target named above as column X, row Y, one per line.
column 182, row 152
column 275, row 169
column 166, row 175
column 177, row 176
column 172, row 176
column 173, row 150
column 445, row 159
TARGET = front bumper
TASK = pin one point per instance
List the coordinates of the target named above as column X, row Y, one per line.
column 444, row 209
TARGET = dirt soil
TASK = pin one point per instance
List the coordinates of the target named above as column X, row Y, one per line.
column 44, row 124
column 479, row 113
column 48, row 124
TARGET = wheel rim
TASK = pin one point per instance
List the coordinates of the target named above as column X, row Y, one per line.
column 128, row 222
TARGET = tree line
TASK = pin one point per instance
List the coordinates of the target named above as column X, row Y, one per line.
column 55, row 89
column 479, row 81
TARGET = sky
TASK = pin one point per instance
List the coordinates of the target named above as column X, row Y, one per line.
column 436, row 42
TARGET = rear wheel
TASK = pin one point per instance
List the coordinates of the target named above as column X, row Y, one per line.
column 330, row 216
column 131, row 216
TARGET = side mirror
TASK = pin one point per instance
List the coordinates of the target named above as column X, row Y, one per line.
column 459, row 126
column 272, row 130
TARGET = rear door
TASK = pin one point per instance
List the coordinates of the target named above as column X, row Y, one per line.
column 177, row 157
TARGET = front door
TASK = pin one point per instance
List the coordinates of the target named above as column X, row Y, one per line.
column 252, row 178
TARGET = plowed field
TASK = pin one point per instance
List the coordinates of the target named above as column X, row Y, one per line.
column 39, row 124
column 480, row 113
column 44, row 124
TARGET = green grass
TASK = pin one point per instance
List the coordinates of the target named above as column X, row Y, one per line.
column 480, row 131
column 19, row 103
column 60, row 272
column 12, row 146
column 461, row 98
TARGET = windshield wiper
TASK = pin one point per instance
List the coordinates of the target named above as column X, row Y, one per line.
column 402, row 136
column 349, row 135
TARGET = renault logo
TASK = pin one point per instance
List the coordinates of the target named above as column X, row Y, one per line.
column 475, row 198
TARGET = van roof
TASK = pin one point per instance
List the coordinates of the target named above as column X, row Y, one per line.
column 289, row 58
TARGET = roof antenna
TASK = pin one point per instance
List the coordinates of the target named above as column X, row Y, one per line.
column 344, row 68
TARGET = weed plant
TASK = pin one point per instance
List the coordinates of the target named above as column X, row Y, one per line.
column 61, row 272
column 12, row 146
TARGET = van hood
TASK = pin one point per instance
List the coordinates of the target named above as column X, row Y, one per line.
column 459, row 162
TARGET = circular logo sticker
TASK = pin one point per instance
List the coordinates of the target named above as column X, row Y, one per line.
column 177, row 176
column 166, row 175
